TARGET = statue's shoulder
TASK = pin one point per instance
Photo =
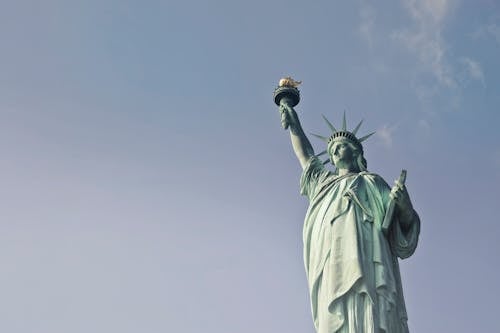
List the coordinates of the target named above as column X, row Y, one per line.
column 374, row 179
column 369, row 175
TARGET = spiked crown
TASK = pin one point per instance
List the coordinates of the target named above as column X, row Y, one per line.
column 342, row 134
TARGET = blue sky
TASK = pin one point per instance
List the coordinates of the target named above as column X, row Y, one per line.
column 147, row 185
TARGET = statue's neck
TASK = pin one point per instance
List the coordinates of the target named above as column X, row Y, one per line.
column 345, row 171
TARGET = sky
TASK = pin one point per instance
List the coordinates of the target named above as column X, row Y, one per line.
column 147, row 184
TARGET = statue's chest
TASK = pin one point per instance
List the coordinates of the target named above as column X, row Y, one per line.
column 334, row 202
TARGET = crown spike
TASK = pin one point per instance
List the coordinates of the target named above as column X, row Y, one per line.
column 344, row 125
column 365, row 137
column 357, row 128
column 320, row 137
column 332, row 128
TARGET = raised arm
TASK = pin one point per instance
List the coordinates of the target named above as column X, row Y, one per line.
column 300, row 143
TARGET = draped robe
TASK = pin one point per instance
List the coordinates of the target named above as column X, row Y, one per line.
column 351, row 265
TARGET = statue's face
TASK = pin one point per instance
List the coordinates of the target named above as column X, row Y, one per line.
column 342, row 154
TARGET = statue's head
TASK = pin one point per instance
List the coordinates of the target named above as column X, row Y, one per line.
column 347, row 154
column 344, row 148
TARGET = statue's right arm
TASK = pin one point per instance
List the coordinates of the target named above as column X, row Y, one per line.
column 300, row 143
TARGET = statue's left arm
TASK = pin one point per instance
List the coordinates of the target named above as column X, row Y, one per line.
column 406, row 224
column 404, row 208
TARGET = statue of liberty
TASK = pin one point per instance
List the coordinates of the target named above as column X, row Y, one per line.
column 355, row 229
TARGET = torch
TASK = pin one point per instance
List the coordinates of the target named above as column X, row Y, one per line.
column 287, row 92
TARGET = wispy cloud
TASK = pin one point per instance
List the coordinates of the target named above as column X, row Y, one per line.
column 491, row 30
column 366, row 28
column 424, row 128
column 385, row 134
column 473, row 69
column 425, row 39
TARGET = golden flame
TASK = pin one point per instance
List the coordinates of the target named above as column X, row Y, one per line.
column 289, row 82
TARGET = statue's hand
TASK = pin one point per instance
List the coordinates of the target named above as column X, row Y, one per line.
column 403, row 203
column 287, row 115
